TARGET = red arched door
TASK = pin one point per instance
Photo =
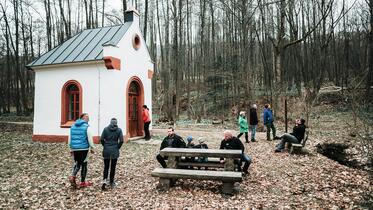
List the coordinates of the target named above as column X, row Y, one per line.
column 134, row 109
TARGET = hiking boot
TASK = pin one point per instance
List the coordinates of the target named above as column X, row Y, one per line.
column 72, row 181
column 85, row 184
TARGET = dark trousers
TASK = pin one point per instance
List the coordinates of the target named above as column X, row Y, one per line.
column 246, row 136
column 162, row 161
column 79, row 159
column 270, row 126
column 146, row 130
column 112, row 163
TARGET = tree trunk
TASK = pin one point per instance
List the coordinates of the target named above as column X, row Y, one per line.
column 146, row 19
column 369, row 83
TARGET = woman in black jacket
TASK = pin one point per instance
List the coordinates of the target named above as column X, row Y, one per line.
column 111, row 140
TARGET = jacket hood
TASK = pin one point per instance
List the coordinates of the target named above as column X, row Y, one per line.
column 80, row 122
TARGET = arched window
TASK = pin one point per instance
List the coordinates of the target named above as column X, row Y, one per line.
column 71, row 103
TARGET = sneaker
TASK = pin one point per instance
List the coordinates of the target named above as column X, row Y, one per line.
column 113, row 185
column 269, row 140
column 72, row 181
column 103, row 186
column 253, row 140
column 85, row 184
column 277, row 150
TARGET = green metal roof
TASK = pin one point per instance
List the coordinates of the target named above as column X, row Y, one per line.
column 85, row 46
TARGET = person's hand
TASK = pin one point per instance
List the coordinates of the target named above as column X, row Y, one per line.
column 71, row 153
column 222, row 161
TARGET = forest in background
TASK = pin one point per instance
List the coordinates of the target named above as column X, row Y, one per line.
column 214, row 55
column 209, row 55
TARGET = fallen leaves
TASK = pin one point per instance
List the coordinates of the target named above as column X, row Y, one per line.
column 34, row 176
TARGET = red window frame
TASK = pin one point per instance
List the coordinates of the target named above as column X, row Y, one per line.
column 77, row 96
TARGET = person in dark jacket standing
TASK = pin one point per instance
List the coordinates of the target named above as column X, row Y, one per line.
column 268, row 121
column 112, row 141
column 253, row 121
column 232, row 142
column 295, row 137
column 171, row 140
column 80, row 141
column 147, row 121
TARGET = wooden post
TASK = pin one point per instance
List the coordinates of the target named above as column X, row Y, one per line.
column 227, row 188
column 164, row 183
column 172, row 162
column 229, row 164
column 286, row 116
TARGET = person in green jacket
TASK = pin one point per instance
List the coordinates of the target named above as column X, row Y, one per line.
column 244, row 127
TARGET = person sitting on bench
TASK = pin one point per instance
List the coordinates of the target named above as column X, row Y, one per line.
column 171, row 140
column 295, row 137
column 190, row 142
column 201, row 145
column 232, row 142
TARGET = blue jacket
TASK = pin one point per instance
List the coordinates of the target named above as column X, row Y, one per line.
column 78, row 135
column 267, row 116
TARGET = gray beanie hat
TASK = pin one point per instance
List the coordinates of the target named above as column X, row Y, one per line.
column 113, row 121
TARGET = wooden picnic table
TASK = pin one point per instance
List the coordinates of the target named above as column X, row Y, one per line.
column 175, row 155
column 169, row 175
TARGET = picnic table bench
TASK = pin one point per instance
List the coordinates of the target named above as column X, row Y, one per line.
column 168, row 176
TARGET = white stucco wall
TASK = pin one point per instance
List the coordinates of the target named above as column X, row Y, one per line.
column 48, row 86
column 104, row 91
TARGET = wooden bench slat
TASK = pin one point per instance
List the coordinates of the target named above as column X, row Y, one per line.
column 187, row 152
column 202, row 164
column 229, row 176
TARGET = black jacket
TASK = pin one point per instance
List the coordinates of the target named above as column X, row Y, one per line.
column 177, row 142
column 232, row 143
column 253, row 117
column 111, row 140
column 298, row 132
column 201, row 146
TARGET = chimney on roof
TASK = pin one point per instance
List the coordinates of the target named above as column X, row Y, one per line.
column 132, row 15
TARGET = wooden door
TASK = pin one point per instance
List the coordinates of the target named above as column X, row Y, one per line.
column 134, row 109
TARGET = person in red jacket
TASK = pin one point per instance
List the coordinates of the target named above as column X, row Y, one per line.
column 147, row 120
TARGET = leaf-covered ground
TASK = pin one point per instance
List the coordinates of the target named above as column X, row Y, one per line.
column 34, row 175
